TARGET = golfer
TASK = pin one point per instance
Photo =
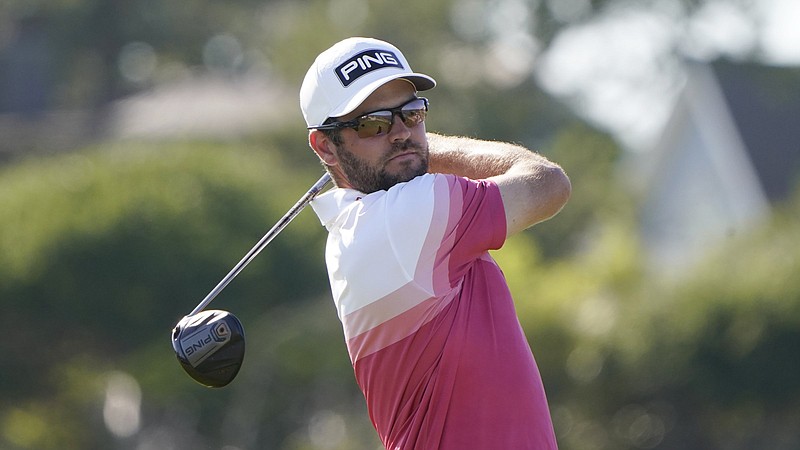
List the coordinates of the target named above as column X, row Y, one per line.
column 428, row 319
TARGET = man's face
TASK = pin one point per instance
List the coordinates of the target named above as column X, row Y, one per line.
column 379, row 162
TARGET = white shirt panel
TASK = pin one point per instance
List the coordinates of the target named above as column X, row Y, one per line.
column 397, row 250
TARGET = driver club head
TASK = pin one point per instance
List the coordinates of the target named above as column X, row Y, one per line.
column 210, row 346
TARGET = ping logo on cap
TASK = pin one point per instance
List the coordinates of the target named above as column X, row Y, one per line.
column 364, row 63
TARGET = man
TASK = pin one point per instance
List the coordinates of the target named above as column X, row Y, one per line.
column 429, row 322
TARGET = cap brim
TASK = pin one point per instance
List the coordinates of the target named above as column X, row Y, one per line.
column 420, row 81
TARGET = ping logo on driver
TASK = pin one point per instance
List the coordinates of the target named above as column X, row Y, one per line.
column 204, row 342
column 364, row 63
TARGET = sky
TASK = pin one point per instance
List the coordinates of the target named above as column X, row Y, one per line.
column 622, row 69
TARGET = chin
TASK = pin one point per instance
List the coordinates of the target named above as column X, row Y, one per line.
column 409, row 173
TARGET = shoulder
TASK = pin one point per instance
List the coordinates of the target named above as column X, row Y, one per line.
column 437, row 184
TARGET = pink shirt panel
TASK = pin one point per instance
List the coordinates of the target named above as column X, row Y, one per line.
column 439, row 354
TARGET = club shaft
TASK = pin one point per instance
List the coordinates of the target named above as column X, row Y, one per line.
column 277, row 228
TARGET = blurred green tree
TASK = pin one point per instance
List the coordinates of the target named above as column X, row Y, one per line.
column 104, row 250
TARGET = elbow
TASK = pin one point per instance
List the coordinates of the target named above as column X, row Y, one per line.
column 540, row 195
column 564, row 187
column 559, row 190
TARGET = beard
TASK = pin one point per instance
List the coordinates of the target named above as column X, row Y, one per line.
column 368, row 179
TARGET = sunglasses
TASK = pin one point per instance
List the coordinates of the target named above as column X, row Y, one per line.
column 378, row 123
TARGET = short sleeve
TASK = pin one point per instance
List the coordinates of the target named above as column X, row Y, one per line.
column 444, row 219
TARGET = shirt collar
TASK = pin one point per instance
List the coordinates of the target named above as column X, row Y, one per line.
column 329, row 205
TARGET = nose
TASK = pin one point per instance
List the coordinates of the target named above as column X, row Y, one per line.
column 399, row 131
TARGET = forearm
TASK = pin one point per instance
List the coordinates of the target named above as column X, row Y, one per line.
column 533, row 188
column 478, row 159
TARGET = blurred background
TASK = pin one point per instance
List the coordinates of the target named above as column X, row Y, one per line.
column 145, row 146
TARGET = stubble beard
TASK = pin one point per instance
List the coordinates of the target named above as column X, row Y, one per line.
column 367, row 179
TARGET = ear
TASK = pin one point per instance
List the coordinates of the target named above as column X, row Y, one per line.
column 323, row 147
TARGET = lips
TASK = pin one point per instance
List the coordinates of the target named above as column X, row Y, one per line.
column 401, row 152
column 404, row 152
column 402, row 155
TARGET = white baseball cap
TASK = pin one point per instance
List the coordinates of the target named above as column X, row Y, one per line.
column 343, row 76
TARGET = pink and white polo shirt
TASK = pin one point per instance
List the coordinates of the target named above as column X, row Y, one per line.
column 430, row 325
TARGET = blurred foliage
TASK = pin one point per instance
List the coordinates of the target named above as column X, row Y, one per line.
column 591, row 159
column 84, row 43
column 86, row 36
column 102, row 251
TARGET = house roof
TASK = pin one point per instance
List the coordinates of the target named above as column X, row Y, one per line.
column 764, row 103
column 702, row 187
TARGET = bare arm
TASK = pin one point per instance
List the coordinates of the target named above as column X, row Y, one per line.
column 533, row 188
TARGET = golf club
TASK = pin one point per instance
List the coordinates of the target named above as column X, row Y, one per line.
column 210, row 344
